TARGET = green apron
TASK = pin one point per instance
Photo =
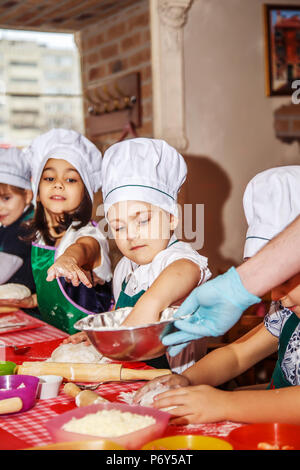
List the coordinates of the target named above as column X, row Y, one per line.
column 278, row 379
column 54, row 306
column 125, row 300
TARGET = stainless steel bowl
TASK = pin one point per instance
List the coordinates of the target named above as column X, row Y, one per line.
column 138, row 343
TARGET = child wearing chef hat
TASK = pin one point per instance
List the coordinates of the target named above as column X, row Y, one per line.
column 271, row 202
column 68, row 251
column 15, row 208
column 141, row 180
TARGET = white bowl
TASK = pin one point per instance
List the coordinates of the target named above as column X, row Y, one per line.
column 48, row 386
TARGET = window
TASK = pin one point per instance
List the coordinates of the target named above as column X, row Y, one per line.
column 23, row 64
column 41, row 86
column 23, row 79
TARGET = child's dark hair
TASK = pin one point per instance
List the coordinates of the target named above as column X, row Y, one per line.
column 38, row 224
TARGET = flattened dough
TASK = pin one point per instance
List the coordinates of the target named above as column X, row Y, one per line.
column 14, row 291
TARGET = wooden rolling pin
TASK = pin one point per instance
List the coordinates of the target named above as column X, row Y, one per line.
column 83, row 397
column 10, row 405
column 80, row 372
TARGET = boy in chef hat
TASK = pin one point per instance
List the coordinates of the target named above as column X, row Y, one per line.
column 271, row 202
column 141, row 180
column 15, row 208
column 69, row 253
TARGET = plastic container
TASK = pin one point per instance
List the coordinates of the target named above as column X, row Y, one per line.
column 132, row 441
column 7, row 367
column 48, row 386
column 188, row 442
column 101, row 444
column 251, row 436
column 22, row 386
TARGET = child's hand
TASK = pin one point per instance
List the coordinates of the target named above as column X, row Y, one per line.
column 195, row 404
column 80, row 337
column 65, row 266
column 171, row 381
column 28, row 302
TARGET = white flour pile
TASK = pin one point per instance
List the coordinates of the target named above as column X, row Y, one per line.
column 109, row 423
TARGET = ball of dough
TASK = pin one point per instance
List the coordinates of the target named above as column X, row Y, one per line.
column 14, row 291
column 76, row 353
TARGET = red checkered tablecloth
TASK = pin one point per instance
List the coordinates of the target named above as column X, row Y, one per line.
column 35, row 335
column 30, row 425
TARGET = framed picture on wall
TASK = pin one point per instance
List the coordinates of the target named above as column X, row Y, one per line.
column 282, row 48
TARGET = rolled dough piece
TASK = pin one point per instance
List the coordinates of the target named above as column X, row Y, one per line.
column 14, row 291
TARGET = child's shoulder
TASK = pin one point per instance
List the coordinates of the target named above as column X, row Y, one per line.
column 178, row 250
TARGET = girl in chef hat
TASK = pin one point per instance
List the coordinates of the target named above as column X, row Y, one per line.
column 68, row 251
column 271, row 202
column 15, row 208
column 141, row 180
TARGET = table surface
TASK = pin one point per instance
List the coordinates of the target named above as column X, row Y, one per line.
column 28, row 429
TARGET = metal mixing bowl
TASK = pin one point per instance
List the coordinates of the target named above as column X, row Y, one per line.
column 137, row 343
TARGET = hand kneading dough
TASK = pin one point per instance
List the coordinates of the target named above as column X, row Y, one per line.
column 14, row 291
column 147, row 398
column 76, row 353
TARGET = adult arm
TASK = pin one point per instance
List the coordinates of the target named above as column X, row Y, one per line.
column 275, row 263
column 218, row 304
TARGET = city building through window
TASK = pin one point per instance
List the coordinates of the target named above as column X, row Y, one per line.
column 40, row 85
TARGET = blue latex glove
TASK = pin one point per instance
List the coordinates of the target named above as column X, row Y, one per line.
column 215, row 306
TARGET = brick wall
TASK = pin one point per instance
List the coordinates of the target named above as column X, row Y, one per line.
column 120, row 44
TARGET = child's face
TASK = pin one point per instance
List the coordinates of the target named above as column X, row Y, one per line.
column 61, row 188
column 12, row 204
column 289, row 294
column 140, row 229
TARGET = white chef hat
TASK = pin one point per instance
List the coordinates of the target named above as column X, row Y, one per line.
column 14, row 169
column 271, row 202
column 67, row 145
column 143, row 169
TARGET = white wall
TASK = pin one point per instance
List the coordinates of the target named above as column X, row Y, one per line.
column 229, row 118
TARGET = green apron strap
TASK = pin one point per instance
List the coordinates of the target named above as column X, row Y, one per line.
column 278, row 379
column 287, row 331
